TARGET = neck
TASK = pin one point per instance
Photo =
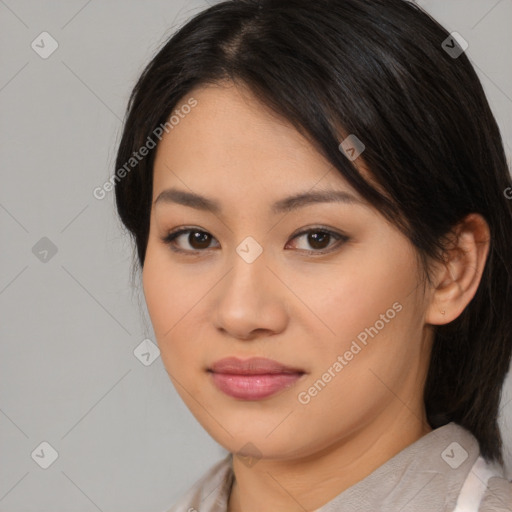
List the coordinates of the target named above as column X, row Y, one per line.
column 296, row 485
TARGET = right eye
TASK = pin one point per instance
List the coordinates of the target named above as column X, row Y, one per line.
column 197, row 239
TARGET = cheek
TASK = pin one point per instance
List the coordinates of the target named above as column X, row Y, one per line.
column 351, row 297
column 155, row 292
column 163, row 292
column 374, row 316
column 172, row 297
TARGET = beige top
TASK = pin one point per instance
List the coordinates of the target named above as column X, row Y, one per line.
column 440, row 472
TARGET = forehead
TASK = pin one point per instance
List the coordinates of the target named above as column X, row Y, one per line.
column 230, row 139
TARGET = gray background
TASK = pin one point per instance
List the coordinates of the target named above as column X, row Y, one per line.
column 71, row 320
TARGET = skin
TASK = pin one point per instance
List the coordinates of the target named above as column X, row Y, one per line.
column 303, row 310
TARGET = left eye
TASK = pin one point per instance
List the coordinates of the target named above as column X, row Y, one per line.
column 199, row 240
column 320, row 238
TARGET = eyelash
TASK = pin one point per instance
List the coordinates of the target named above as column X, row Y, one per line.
column 171, row 236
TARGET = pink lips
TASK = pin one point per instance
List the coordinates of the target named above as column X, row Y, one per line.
column 252, row 379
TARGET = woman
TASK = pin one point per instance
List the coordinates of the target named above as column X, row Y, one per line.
column 317, row 193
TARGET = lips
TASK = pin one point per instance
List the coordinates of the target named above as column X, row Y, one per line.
column 253, row 379
column 252, row 366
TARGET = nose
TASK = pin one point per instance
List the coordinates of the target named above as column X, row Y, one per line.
column 250, row 300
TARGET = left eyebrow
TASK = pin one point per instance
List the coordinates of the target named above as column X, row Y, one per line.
column 287, row 204
column 296, row 201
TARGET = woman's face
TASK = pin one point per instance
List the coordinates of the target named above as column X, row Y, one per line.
column 346, row 309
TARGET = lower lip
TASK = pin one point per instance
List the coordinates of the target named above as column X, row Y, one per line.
column 254, row 387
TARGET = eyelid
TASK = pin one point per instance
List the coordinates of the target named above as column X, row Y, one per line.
column 169, row 238
column 341, row 238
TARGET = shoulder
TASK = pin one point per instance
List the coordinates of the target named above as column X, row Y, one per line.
column 498, row 496
column 211, row 492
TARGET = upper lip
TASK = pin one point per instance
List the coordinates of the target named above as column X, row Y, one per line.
column 252, row 366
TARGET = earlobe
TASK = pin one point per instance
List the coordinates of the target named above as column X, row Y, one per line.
column 460, row 275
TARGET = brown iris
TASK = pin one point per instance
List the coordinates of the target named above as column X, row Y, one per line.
column 201, row 238
column 317, row 238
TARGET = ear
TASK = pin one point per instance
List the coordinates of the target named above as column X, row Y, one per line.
column 458, row 278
